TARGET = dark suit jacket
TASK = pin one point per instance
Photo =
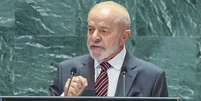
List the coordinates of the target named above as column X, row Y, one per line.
column 143, row 79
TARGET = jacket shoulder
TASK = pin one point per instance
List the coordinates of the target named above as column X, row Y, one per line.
column 148, row 67
column 75, row 61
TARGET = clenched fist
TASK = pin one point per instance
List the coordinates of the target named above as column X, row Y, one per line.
column 77, row 86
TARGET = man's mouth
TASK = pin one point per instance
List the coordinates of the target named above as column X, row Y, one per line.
column 96, row 47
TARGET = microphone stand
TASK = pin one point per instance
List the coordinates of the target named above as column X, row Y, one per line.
column 124, row 82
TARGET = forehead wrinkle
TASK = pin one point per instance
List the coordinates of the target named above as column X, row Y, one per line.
column 100, row 23
column 100, row 26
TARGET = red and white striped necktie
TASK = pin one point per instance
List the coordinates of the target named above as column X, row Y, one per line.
column 102, row 81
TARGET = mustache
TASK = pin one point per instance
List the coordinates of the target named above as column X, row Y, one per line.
column 96, row 46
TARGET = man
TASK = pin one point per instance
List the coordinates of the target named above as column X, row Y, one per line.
column 109, row 69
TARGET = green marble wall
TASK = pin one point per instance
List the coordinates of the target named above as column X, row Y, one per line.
column 37, row 33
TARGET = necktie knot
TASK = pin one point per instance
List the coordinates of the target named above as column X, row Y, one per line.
column 105, row 66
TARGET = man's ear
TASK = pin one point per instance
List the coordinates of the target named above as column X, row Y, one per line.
column 127, row 33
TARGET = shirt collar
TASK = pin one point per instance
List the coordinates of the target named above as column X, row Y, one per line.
column 115, row 62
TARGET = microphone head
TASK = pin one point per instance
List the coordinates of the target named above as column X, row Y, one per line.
column 124, row 71
column 73, row 70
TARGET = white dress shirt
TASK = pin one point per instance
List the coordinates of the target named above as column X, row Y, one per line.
column 113, row 72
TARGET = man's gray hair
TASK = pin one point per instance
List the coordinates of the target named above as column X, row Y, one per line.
column 124, row 16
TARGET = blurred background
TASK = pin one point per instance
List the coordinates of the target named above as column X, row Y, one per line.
column 36, row 34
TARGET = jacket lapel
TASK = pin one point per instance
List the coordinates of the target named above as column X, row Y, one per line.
column 88, row 72
column 129, row 65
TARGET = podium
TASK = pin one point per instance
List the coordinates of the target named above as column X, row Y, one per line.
column 85, row 98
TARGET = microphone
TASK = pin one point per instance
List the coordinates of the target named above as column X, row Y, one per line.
column 124, row 71
column 73, row 71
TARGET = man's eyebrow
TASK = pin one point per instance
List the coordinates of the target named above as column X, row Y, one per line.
column 104, row 27
column 90, row 26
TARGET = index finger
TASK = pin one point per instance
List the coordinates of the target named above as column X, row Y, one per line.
column 83, row 80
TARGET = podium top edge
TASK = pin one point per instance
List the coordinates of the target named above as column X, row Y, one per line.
column 88, row 97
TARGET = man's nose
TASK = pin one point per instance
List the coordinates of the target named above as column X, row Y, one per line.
column 96, row 37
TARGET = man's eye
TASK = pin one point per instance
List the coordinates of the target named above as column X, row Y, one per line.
column 103, row 31
column 90, row 29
